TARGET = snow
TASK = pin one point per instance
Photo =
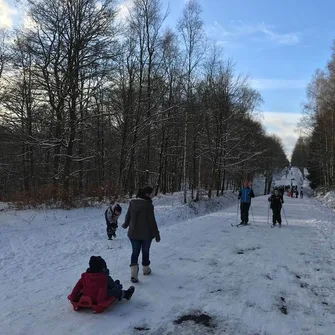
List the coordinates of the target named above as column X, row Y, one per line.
column 327, row 199
column 294, row 176
column 198, row 267
column 258, row 185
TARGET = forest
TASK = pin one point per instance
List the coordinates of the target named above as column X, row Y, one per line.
column 315, row 149
column 96, row 102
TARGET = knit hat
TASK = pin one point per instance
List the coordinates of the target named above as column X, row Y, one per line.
column 102, row 262
column 96, row 264
column 116, row 207
column 147, row 190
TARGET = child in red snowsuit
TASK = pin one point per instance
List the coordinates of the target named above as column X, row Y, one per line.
column 98, row 285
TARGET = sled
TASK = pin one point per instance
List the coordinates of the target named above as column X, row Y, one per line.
column 86, row 302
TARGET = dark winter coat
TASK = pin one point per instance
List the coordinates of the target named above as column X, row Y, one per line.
column 276, row 202
column 245, row 194
column 140, row 219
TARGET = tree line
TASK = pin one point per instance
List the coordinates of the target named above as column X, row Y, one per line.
column 315, row 149
column 95, row 104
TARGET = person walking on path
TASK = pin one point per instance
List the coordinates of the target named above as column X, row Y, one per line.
column 140, row 219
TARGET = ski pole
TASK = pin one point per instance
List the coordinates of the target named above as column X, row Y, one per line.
column 238, row 202
column 252, row 213
column 268, row 214
column 285, row 215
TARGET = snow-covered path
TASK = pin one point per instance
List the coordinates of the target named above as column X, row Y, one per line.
column 242, row 277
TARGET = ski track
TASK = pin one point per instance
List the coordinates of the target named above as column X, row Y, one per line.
column 198, row 266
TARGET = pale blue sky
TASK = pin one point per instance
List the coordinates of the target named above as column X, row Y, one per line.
column 279, row 44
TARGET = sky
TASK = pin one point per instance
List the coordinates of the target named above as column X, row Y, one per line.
column 278, row 44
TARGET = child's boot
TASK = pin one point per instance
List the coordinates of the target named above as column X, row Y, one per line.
column 128, row 294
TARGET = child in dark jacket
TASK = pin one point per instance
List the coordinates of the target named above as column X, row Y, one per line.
column 112, row 214
column 276, row 200
column 98, row 285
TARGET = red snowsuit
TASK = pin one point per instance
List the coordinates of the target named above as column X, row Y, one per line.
column 93, row 285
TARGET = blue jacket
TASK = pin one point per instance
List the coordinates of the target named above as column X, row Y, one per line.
column 246, row 194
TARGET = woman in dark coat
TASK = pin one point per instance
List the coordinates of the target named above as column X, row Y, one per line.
column 140, row 219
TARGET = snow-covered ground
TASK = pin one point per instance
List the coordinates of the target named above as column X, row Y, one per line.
column 293, row 176
column 245, row 279
column 328, row 199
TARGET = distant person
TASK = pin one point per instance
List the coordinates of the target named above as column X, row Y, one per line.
column 301, row 194
column 297, row 194
column 140, row 219
column 245, row 195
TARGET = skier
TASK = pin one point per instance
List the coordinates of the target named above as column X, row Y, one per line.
column 276, row 200
column 245, row 194
column 112, row 214
column 297, row 193
column 301, row 194
column 140, row 219
column 98, row 285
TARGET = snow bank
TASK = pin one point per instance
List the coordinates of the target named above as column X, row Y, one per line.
column 171, row 209
column 328, row 199
column 258, row 185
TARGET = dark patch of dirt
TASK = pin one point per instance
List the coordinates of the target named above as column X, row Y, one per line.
column 218, row 290
column 241, row 252
column 141, row 329
column 253, row 248
column 203, row 319
column 283, row 309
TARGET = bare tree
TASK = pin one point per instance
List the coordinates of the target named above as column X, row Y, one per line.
column 190, row 27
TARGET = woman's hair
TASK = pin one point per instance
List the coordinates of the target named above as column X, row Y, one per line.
column 144, row 190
